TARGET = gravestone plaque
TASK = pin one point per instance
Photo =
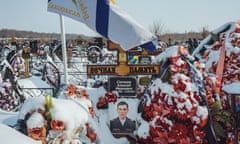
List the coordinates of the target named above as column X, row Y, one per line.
column 125, row 86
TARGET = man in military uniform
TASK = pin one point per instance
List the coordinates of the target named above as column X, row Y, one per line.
column 122, row 124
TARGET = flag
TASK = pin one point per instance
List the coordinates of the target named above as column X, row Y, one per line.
column 107, row 19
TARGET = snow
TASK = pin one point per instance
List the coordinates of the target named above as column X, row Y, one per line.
column 33, row 82
column 35, row 121
column 11, row 136
column 213, row 58
column 143, row 129
column 8, row 118
column 69, row 112
column 31, row 104
column 232, row 88
column 32, row 85
column 166, row 54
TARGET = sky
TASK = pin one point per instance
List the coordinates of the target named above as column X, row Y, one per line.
column 173, row 15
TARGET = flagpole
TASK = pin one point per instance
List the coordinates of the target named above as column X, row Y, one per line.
column 64, row 54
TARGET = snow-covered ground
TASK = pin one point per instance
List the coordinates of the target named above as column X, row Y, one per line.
column 11, row 136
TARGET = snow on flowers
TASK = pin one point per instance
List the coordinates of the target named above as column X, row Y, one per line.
column 174, row 108
column 56, row 120
column 220, row 54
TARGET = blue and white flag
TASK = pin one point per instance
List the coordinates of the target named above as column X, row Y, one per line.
column 105, row 17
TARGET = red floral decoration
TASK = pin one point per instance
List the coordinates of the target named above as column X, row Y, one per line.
column 81, row 93
column 57, row 125
column 71, row 89
column 91, row 134
column 174, row 111
column 108, row 97
column 230, row 40
column 37, row 134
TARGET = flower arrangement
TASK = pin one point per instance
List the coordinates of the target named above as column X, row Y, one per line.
column 56, row 121
column 220, row 55
column 8, row 100
column 174, row 108
column 109, row 97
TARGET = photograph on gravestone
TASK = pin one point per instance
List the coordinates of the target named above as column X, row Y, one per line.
column 143, row 81
column 124, row 86
column 144, row 59
column 94, row 54
column 122, row 118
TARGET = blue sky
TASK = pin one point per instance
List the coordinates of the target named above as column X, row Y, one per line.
column 174, row 15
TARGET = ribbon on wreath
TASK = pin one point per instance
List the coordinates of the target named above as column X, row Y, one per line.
column 219, row 70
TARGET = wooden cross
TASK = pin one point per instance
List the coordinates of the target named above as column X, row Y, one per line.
column 122, row 69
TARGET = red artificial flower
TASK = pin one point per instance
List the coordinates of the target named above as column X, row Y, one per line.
column 102, row 101
column 147, row 113
column 179, row 132
column 37, row 134
column 81, row 93
column 203, row 122
column 159, row 110
column 198, row 132
column 157, row 95
column 91, row 134
column 111, row 97
column 158, row 136
column 91, row 111
column 178, row 85
column 162, row 123
column 237, row 30
column 71, row 89
column 57, row 125
column 161, row 139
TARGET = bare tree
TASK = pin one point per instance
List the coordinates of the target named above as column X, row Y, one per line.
column 204, row 32
column 157, row 28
